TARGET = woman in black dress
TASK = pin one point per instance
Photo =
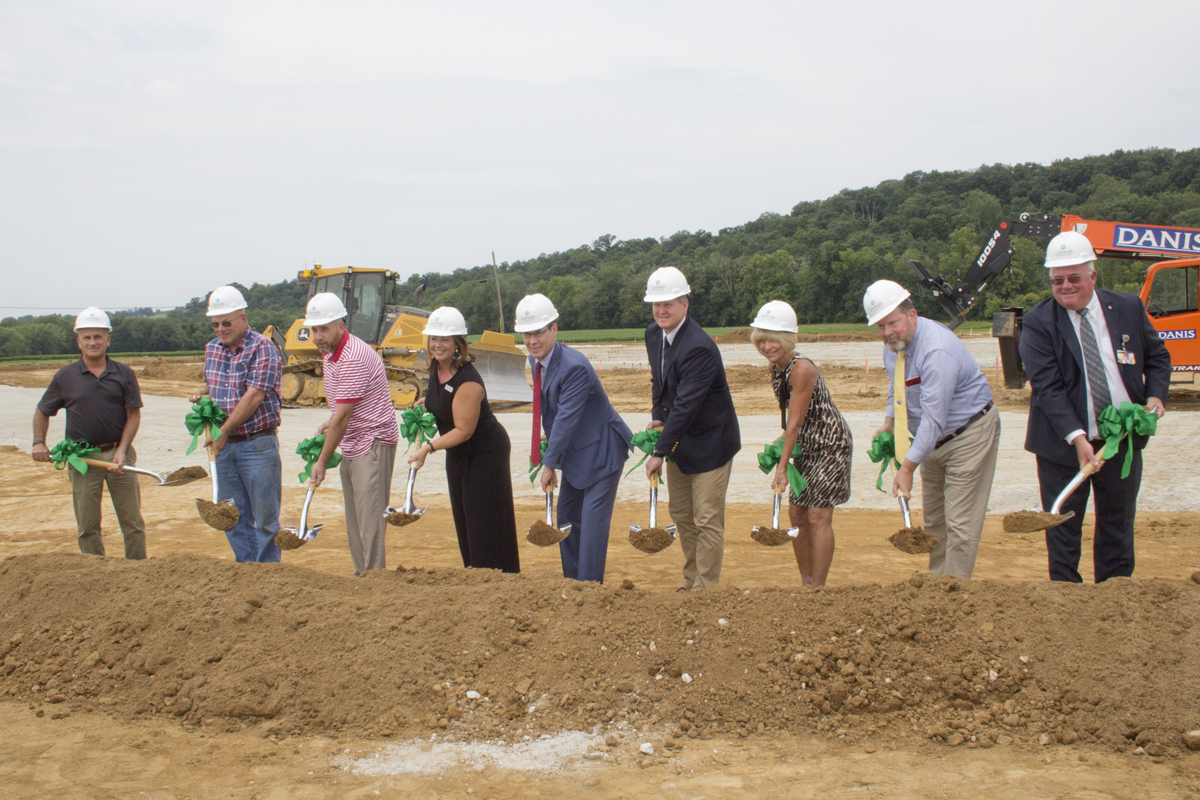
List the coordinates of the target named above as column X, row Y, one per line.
column 809, row 418
column 477, row 448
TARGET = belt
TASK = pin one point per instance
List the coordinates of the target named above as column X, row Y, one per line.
column 978, row 416
column 234, row 438
column 107, row 446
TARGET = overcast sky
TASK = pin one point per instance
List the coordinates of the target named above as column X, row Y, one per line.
column 150, row 151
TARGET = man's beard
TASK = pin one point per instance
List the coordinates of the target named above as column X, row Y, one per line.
column 897, row 346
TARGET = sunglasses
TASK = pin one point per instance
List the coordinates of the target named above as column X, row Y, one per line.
column 225, row 323
column 1059, row 280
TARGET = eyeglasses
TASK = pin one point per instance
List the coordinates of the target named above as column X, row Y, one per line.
column 1058, row 280
column 225, row 323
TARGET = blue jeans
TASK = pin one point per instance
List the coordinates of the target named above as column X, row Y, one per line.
column 251, row 475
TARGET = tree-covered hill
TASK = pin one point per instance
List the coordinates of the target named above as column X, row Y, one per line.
column 823, row 255
column 819, row 257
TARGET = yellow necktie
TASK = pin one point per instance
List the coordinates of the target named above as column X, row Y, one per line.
column 900, row 407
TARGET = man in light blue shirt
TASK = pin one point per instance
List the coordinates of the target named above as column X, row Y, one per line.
column 953, row 421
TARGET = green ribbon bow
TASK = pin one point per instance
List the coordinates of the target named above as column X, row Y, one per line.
column 417, row 423
column 645, row 441
column 883, row 448
column 534, row 470
column 769, row 458
column 204, row 414
column 310, row 451
column 1115, row 423
column 73, row 453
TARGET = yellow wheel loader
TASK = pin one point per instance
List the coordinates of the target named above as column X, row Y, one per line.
column 377, row 316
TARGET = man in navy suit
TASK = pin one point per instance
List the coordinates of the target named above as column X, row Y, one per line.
column 1085, row 349
column 587, row 439
column 699, row 426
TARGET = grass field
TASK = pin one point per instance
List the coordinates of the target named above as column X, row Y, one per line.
column 67, row 358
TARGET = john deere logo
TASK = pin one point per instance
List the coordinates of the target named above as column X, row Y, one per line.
column 303, row 335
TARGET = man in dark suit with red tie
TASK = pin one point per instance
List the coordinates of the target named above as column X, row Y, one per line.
column 699, row 426
column 1085, row 349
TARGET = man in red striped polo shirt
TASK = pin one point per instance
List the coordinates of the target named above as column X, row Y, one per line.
column 362, row 422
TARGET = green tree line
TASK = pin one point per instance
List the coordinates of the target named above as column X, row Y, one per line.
column 820, row 257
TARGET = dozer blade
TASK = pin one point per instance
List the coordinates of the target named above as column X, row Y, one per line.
column 502, row 367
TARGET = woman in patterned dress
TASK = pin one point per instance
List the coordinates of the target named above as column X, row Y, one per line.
column 808, row 417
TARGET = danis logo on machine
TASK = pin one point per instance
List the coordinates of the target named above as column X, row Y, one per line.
column 303, row 335
column 1186, row 333
column 1161, row 240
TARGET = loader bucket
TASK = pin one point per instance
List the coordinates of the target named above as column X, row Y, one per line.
column 502, row 367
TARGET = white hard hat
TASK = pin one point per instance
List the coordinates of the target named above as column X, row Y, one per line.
column 776, row 316
column 1068, row 249
column 881, row 299
column 92, row 317
column 534, row 312
column 446, row 321
column 323, row 309
column 225, row 300
column 665, row 284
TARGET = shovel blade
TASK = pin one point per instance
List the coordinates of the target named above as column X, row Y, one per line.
column 635, row 528
column 565, row 528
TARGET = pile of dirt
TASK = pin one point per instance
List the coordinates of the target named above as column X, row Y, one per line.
column 222, row 516
column 187, row 474
column 1031, row 521
column 651, row 540
column 225, row 645
column 768, row 536
column 914, row 541
column 162, row 369
column 401, row 518
column 544, row 535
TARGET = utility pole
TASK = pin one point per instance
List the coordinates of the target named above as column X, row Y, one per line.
column 499, row 302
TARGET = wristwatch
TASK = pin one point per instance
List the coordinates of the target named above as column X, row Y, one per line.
column 39, row 441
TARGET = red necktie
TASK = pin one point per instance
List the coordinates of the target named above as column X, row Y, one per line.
column 535, row 456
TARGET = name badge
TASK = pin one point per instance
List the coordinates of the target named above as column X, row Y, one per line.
column 450, row 389
column 913, row 381
column 1123, row 355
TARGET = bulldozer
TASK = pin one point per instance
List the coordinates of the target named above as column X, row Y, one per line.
column 378, row 316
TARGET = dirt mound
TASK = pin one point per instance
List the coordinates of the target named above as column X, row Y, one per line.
column 914, row 541
column 211, row 642
column 162, row 369
column 544, row 535
column 223, row 516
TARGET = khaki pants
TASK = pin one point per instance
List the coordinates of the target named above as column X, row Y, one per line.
column 956, row 482
column 126, row 496
column 697, row 506
column 366, row 492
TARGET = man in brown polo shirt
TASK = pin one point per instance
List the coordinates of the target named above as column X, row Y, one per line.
column 104, row 409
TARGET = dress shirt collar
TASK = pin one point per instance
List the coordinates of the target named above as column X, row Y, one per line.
column 670, row 337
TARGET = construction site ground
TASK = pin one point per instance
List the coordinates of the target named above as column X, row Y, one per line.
column 189, row 676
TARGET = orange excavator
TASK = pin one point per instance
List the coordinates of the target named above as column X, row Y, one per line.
column 1169, row 289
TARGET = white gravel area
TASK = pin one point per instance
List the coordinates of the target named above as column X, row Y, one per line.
column 1171, row 481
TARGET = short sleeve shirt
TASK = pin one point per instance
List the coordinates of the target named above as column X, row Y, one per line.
column 95, row 405
column 354, row 373
column 253, row 364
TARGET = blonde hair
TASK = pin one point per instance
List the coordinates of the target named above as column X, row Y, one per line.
column 785, row 340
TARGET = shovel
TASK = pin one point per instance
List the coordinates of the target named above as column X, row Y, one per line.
column 407, row 513
column 219, row 514
column 914, row 541
column 774, row 536
column 544, row 534
column 290, row 538
column 653, row 539
column 1032, row 521
column 95, row 462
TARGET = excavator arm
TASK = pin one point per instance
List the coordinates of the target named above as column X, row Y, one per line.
column 993, row 259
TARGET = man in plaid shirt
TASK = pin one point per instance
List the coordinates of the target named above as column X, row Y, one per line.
column 242, row 371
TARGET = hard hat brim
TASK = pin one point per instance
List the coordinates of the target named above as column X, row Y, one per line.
column 532, row 327
column 880, row 315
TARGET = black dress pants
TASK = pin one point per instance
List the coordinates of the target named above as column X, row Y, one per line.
column 1115, row 510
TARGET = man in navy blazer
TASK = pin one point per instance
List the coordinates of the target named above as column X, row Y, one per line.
column 700, row 432
column 587, row 440
column 1084, row 349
